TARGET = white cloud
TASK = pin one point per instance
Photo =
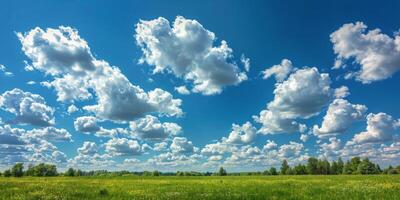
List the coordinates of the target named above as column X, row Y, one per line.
column 246, row 62
column 340, row 116
column 161, row 146
column 182, row 90
column 270, row 145
column 186, row 50
column 72, row 108
column 149, row 127
column 28, row 108
column 302, row 95
column 86, row 124
column 241, row 134
column 378, row 54
column 182, row 145
column 51, row 134
column 217, row 148
column 88, row 148
column 31, row 82
column 381, row 127
column 123, row 147
column 304, row 137
column 67, row 57
column 332, row 149
column 293, row 149
column 6, row 73
column 280, row 71
column 342, row 92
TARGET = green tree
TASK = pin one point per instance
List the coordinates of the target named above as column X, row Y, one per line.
column 222, row 172
column 312, row 165
column 300, row 169
column 273, row 171
column 17, row 170
column 156, row 173
column 347, row 169
column 70, row 172
column 284, row 167
column 334, row 168
column 340, row 166
column 7, row 173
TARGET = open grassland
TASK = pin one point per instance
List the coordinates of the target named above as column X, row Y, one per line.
column 230, row 187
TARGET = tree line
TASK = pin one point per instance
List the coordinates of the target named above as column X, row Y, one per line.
column 314, row 166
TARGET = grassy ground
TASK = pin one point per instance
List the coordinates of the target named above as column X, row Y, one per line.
column 250, row 187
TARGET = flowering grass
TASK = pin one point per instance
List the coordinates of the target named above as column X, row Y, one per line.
column 230, row 187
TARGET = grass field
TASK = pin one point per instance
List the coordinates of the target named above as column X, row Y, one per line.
column 243, row 187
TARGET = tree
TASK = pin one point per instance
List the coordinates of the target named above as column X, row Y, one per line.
column 156, row 173
column 17, row 170
column 312, row 166
column 272, row 171
column 354, row 162
column 334, row 168
column 222, row 172
column 340, row 166
column 7, row 173
column 366, row 167
column 285, row 167
column 300, row 169
column 347, row 168
column 70, row 172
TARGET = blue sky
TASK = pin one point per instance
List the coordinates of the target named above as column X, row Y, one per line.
column 98, row 53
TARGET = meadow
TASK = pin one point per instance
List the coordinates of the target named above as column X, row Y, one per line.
column 211, row 187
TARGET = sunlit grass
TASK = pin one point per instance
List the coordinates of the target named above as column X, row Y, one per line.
column 238, row 187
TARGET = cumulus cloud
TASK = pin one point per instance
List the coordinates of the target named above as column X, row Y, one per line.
column 86, row 124
column 186, row 50
column 27, row 107
column 182, row 145
column 332, row 149
column 280, row 71
column 340, row 116
column 65, row 56
column 378, row 54
column 217, row 148
column 51, row 134
column 123, row 147
column 381, row 127
column 292, row 149
column 241, row 134
column 270, row 145
column 302, row 95
column 304, row 137
column 182, row 90
column 149, row 127
column 88, row 148
column 342, row 92
column 72, row 108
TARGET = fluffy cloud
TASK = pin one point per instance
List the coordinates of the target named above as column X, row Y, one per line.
column 342, row 92
column 67, row 57
column 123, row 147
column 217, row 148
column 270, row 145
column 186, row 50
column 331, row 150
column 88, row 148
column 304, row 137
column 381, row 127
column 241, row 134
column 72, row 108
column 51, row 134
column 28, row 108
column 149, row 127
column 182, row 145
column 280, row 71
column 86, row 124
column 378, row 54
column 340, row 116
column 302, row 95
column 293, row 149
column 182, row 90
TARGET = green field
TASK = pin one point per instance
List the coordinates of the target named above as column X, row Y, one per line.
column 230, row 187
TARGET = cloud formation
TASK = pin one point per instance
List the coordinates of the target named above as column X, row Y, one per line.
column 378, row 54
column 27, row 107
column 65, row 56
column 186, row 50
